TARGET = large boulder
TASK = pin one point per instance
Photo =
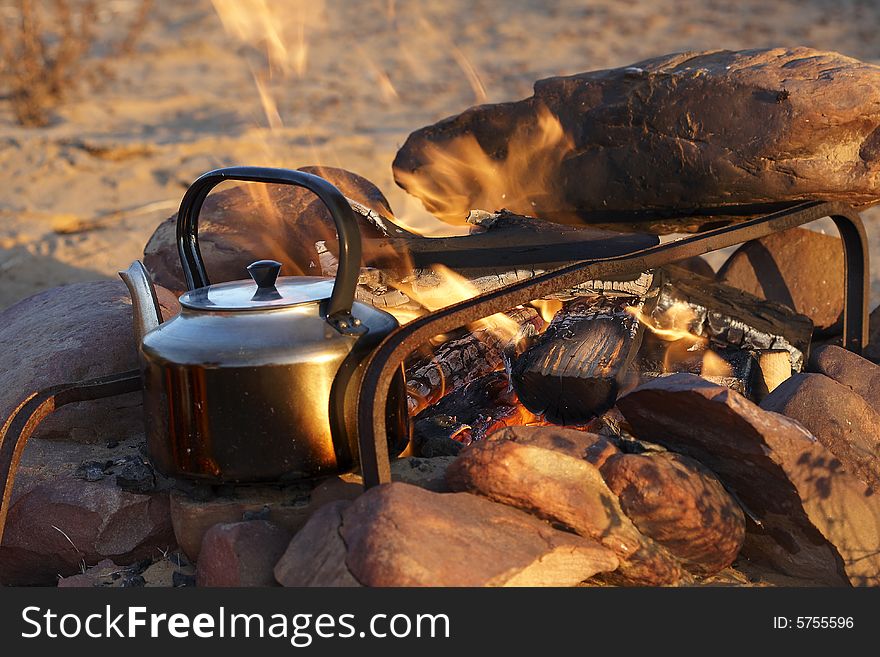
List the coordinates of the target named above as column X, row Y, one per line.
column 681, row 505
column 569, row 492
column 810, row 518
column 67, row 334
column 841, row 420
column 686, row 131
column 858, row 374
column 60, row 527
column 239, row 225
column 402, row 535
column 799, row 268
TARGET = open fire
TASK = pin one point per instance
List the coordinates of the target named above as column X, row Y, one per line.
column 555, row 367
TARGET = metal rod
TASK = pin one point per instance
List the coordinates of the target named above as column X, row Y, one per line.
column 22, row 423
column 392, row 352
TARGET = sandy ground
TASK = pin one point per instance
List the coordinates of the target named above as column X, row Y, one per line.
column 356, row 77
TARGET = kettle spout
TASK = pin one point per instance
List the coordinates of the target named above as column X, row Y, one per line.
column 146, row 313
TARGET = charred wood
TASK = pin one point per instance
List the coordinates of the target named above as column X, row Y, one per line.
column 575, row 369
column 729, row 317
column 468, row 415
column 464, row 359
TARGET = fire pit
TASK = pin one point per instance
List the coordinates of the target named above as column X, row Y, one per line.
column 389, row 356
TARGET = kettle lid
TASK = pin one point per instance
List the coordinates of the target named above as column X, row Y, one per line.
column 269, row 291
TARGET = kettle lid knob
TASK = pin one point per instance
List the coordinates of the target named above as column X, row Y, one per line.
column 264, row 273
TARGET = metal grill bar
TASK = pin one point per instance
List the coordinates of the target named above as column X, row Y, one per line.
column 387, row 359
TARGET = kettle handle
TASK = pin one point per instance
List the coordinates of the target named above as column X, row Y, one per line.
column 338, row 308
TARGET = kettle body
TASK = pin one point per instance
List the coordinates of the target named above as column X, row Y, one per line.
column 258, row 380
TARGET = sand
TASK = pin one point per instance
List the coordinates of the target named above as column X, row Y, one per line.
column 81, row 196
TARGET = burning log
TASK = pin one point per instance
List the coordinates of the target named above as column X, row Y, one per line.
column 464, row 359
column 402, row 272
column 575, row 369
column 731, row 368
column 729, row 317
column 775, row 367
column 470, row 414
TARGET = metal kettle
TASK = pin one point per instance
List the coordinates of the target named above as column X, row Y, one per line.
column 258, row 379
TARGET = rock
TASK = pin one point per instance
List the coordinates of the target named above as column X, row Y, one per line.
column 856, row 373
column 811, row 518
column 680, row 504
column 427, row 473
column 682, row 131
column 193, row 515
column 316, row 554
column 246, row 223
column 842, row 421
column 590, row 447
column 67, row 334
column 104, row 574
column 799, row 268
column 45, row 460
column 697, row 265
column 401, row 535
column 58, row 526
column 566, row 490
column 241, row 554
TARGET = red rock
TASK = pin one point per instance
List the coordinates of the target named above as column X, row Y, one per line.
column 401, row 535
column 192, row 517
column 697, row 265
column 56, row 527
column 590, row 447
column 68, row 334
column 242, row 224
column 842, row 421
column 241, row 554
column 817, row 521
column 569, row 492
column 316, row 554
column 800, row 268
column 680, row 504
column 856, row 373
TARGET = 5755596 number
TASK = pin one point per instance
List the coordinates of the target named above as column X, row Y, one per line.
column 813, row 622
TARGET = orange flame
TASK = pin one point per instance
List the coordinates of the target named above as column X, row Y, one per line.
column 715, row 365
column 547, row 307
column 279, row 28
column 452, row 288
column 675, row 326
column 461, row 176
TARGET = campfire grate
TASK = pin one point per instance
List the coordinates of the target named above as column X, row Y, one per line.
column 388, row 358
